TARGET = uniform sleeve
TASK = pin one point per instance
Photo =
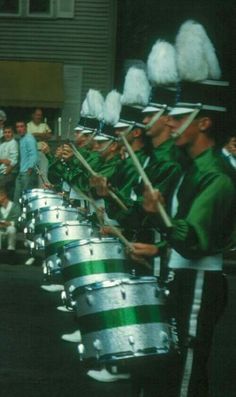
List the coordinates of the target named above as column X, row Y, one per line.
column 208, row 223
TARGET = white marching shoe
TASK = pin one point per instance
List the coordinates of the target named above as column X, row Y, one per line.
column 103, row 375
column 73, row 337
column 30, row 261
column 64, row 309
column 52, row 287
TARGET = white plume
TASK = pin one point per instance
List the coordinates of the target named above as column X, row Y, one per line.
column 85, row 108
column 112, row 107
column 136, row 87
column 161, row 64
column 196, row 58
column 95, row 103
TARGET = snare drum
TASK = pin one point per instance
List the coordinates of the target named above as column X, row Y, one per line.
column 37, row 203
column 89, row 261
column 61, row 234
column 28, row 195
column 34, row 199
column 48, row 216
column 124, row 320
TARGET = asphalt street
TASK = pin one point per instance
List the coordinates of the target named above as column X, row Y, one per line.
column 34, row 361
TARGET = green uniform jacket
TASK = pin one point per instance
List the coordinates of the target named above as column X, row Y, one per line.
column 164, row 170
column 206, row 215
column 126, row 176
column 99, row 165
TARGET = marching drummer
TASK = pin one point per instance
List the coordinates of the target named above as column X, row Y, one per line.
column 203, row 222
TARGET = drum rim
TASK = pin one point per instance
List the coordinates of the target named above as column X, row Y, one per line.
column 96, row 240
column 45, row 197
column 38, row 190
column 109, row 283
column 71, row 222
column 55, row 207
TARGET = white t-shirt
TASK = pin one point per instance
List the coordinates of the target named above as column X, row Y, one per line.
column 8, row 150
column 37, row 128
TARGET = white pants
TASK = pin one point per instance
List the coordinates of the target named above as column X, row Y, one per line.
column 10, row 233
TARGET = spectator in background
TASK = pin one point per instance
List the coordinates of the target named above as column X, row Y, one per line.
column 229, row 151
column 8, row 161
column 9, row 214
column 27, row 177
column 3, row 118
column 42, row 132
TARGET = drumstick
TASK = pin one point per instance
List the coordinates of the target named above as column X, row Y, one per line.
column 155, row 118
column 92, row 201
column 146, row 180
column 68, row 130
column 187, row 122
column 114, row 229
column 81, row 158
column 93, row 173
column 59, row 128
column 127, row 243
column 42, row 176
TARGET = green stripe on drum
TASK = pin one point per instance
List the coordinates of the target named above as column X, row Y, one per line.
column 95, row 267
column 53, row 248
column 144, row 314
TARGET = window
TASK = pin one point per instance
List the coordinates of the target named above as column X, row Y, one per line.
column 39, row 8
column 10, row 7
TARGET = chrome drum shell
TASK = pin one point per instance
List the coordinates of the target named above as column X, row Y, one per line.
column 124, row 320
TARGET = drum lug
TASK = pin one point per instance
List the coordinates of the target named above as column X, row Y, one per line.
column 67, row 256
column 165, row 339
column 63, row 296
column 89, row 300
column 71, row 288
column 44, row 266
column 58, row 262
column 131, row 341
column 48, row 236
column 167, row 292
column 123, row 292
column 81, row 350
column 98, row 347
column 73, row 304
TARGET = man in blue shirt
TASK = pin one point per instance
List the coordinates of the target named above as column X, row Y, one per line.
column 27, row 177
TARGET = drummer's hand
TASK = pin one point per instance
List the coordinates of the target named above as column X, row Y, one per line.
column 44, row 147
column 67, row 152
column 144, row 250
column 151, row 199
column 102, row 187
column 97, row 180
column 231, row 146
column 48, row 186
column 59, row 152
column 108, row 231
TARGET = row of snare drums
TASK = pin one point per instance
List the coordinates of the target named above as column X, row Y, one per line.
column 121, row 317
